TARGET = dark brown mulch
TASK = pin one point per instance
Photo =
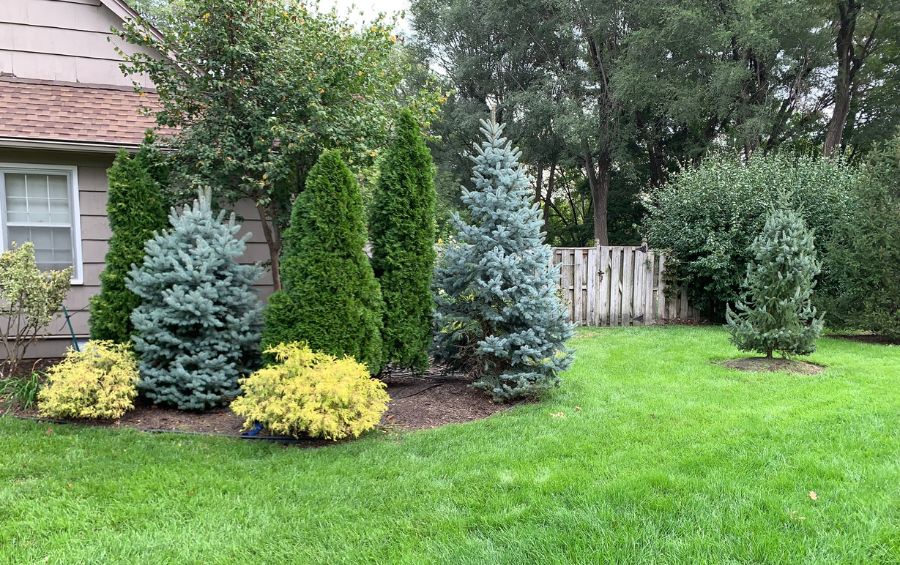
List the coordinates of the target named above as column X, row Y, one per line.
column 417, row 402
column 868, row 338
column 761, row 364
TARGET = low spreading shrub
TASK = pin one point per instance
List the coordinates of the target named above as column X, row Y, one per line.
column 98, row 382
column 311, row 393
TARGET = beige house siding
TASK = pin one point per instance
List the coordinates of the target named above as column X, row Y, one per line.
column 95, row 233
column 62, row 40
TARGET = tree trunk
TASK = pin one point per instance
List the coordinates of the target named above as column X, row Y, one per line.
column 273, row 241
column 551, row 185
column 848, row 11
column 598, row 181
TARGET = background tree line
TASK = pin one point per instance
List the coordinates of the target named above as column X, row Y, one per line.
column 607, row 98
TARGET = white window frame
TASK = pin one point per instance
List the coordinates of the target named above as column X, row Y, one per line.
column 69, row 171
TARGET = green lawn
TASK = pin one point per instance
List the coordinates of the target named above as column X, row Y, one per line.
column 648, row 453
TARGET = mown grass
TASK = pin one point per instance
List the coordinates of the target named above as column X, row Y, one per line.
column 649, row 452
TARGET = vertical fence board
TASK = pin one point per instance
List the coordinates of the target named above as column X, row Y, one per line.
column 615, row 287
column 603, row 284
column 591, row 275
column 577, row 286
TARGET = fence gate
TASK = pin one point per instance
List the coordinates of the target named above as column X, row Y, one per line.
column 618, row 286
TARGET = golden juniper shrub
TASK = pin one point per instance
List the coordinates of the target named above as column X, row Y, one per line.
column 311, row 393
column 99, row 382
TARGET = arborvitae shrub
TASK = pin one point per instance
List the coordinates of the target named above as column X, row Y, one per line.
column 97, row 382
column 315, row 394
column 402, row 231
column 136, row 209
column 498, row 312
column 865, row 250
column 330, row 299
column 197, row 325
column 776, row 311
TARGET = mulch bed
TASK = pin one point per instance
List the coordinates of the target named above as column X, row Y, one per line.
column 418, row 401
column 761, row 364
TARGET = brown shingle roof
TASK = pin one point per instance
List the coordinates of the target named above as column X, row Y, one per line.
column 67, row 112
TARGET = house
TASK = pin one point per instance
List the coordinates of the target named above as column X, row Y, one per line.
column 65, row 110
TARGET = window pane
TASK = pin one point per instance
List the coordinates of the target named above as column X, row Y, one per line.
column 37, row 199
column 59, row 186
column 15, row 185
column 52, row 246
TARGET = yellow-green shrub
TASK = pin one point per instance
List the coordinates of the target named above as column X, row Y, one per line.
column 100, row 381
column 311, row 393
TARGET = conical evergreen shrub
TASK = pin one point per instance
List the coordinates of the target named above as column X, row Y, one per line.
column 136, row 209
column 498, row 312
column 402, row 233
column 197, row 326
column 330, row 299
column 776, row 313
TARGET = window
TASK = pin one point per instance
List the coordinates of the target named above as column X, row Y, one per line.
column 40, row 204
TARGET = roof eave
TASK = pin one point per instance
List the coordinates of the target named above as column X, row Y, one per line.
column 126, row 12
column 66, row 145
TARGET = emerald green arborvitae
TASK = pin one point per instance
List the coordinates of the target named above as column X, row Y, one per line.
column 402, row 233
column 498, row 313
column 198, row 323
column 776, row 312
column 330, row 298
column 136, row 208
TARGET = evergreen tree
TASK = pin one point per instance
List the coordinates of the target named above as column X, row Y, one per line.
column 330, row 298
column 498, row 312
column 197, row 326
column 402, row 231
column 136, row 209
column 776, row 312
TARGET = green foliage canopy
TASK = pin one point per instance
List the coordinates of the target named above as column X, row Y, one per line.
column 706, row 218
column 258, row 89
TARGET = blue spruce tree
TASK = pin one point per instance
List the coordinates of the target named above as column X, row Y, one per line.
column 198, row 323
column 498, row 313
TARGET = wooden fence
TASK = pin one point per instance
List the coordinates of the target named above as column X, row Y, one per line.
column 618, row 286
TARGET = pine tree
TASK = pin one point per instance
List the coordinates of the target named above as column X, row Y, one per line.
column 136, row 209
column 330, row 299
column 776, row 313
column 498, row 313
column 197, row 325
column 402, row 233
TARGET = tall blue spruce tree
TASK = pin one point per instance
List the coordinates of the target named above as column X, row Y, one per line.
column 498, row 312
column 197, row 326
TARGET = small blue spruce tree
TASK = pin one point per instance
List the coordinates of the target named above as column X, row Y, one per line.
column 498, row 312
column 776, row 311
column 198, row 323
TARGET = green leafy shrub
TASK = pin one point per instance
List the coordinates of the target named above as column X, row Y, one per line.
column 865, row 249
column 311, row 393
column 98, row 382
column 498, row 312
column 136, row 208
column 706, row 218
column 402, row 232
column 330, row 298
column 197, row 325
column 29, row 298
column 776, row 311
